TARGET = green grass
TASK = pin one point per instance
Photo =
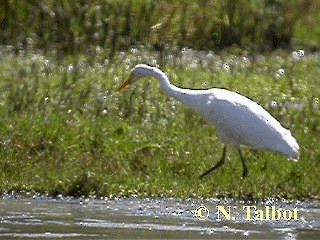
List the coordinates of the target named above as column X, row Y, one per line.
column 64, row 130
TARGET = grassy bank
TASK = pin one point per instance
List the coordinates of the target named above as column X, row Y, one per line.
column 65, row 131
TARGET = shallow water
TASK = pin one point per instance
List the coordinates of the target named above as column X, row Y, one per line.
column 69, row 218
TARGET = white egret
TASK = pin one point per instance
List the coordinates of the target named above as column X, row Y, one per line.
column 237, row 119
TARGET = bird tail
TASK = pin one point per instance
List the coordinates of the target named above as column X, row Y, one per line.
column 292, row 148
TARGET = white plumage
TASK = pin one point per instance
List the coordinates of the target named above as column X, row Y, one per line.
column 238, row 120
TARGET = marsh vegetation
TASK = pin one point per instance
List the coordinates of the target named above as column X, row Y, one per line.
column 65, row 131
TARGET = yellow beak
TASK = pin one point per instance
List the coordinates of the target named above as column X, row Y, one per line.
column 124, row 84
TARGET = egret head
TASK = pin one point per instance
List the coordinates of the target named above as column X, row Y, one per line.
column 139, row 71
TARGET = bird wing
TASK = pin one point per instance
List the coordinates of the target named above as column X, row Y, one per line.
column 239, row 120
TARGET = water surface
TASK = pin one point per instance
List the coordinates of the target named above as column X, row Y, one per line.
column 138, row 218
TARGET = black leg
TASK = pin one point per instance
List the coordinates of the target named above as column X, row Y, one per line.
column 218, row 164
column 244, row 165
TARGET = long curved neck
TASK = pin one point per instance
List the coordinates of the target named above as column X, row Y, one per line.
column 186, row 96
column 165, row 84
column 181, row 94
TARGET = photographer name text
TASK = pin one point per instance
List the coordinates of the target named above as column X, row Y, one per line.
column 251, row 213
